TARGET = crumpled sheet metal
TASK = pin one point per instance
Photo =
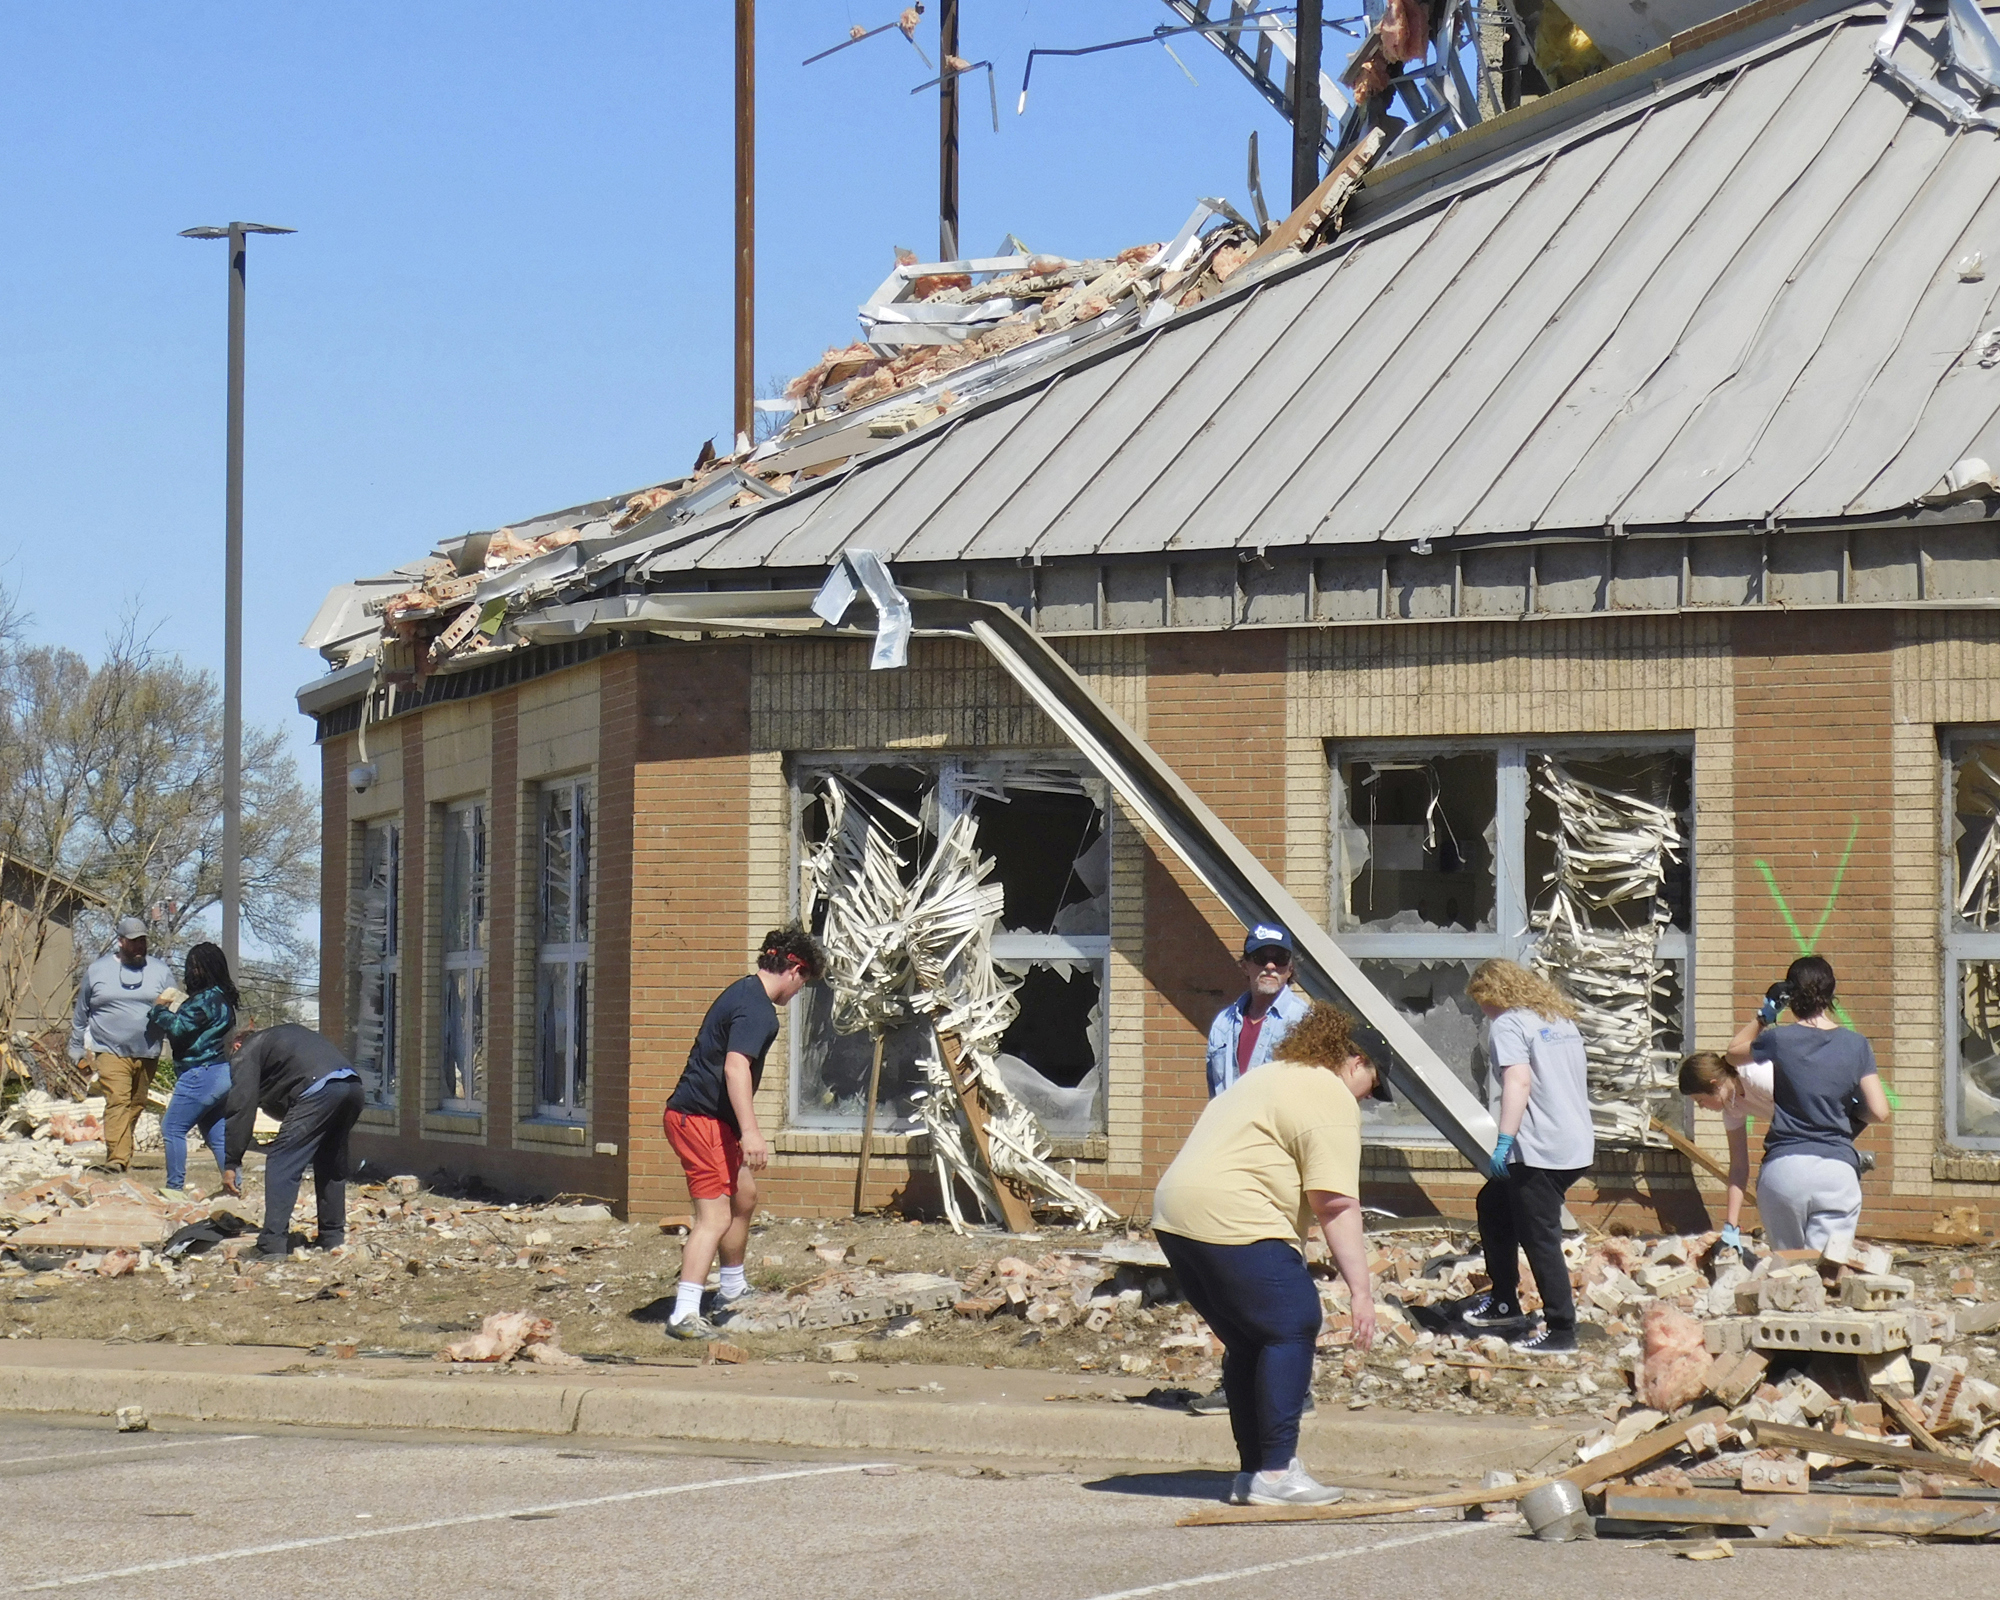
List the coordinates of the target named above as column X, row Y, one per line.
column 897, row 951
column 1612, row 850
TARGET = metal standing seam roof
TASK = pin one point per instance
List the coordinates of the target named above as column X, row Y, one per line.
column 1732, row 299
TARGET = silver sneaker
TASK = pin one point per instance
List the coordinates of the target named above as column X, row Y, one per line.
column 1293, row 1487
column 1239, row 1489
column 691, row 1328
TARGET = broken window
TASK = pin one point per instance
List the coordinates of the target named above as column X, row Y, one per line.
column 1972, row 944
column 562, row 966
column 1574, row 859
column 1045, row 827
column 377, row 964
column 462, row 1012
column 1415, row 839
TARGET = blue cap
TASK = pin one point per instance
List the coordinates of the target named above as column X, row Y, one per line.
column 1265, row 934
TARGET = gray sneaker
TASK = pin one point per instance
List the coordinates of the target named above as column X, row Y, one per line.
column 691, row 1328
column 1293, row 1487
column 1213, row 1404
column 1239, row 1489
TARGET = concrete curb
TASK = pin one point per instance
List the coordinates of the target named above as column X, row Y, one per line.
column 1407, row 1444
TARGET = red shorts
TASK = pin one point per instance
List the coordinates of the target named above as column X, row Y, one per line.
column 710, row 1153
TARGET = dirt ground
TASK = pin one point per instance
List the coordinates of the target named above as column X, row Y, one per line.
column 425, row 1269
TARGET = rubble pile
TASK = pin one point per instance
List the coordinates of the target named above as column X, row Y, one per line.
column 43, row 1136
column 936, row 337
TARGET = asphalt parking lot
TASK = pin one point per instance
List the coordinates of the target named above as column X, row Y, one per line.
column 197, row 1512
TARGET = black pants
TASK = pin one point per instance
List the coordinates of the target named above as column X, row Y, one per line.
column 1523, row 1212
column 1259, row 1300
column 313, row 1134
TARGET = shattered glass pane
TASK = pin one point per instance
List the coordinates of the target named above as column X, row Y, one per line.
column 1053, row 857
column 1976, row 836
column 462, row 1057
column 1058, row 1030
column 1044, row 824
column 832, row 1068
column 465, row 878
column 1431, row 996
column 373, row 946
column 1415, row 838
column 552, row 1001
column 1977, row 1091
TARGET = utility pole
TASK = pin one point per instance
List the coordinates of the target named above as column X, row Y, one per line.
column 1308, row 112
column 746, row 215
column 232, row 590
column 947, row 131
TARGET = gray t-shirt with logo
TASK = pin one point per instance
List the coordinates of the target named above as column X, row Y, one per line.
column 1556, row 1130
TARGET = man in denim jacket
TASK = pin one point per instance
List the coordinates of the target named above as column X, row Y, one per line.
column 1248, row 1029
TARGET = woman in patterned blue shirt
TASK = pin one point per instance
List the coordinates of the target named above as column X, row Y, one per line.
column 197, row 1026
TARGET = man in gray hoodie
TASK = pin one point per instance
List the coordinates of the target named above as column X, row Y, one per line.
column 112, row 999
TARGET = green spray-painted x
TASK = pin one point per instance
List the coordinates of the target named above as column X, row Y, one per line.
column 1808, row 943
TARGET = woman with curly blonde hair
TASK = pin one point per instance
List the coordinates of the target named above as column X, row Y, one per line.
column 1275, row 1156
column 1537, row 1089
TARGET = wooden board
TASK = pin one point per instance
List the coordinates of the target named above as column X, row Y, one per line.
column 1810, row 1514
column 1014, row 1210
column 1642, row 1452
column 1849, row 1448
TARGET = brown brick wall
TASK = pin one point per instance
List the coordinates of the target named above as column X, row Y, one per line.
column 335, row 874
column 690, row 862
column 1215, row 712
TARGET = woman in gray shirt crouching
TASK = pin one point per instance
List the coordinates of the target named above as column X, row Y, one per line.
column 1825, row 1091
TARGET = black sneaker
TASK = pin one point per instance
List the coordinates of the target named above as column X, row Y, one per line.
column 1546, row 1342
column 1489, row 1311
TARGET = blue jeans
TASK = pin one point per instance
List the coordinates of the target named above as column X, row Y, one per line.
column 1259, row 1300
column 200, row 1094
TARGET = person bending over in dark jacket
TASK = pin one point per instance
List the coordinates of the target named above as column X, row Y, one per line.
column 297, row 1076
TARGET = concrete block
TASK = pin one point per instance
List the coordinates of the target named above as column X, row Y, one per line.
column 1733, row 1379
column 1977, row 1319
column 1856, row 1333
column 1796, row 1289
column 1871, row 1291
column 1728, row 1336
column 1890, row 1374
column 1775, row 1477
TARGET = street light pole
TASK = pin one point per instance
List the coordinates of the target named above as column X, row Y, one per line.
column 232, row 592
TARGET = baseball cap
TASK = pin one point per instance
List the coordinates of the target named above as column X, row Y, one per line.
column 131, row 928
column 1381, row 1085
column 1265, row 934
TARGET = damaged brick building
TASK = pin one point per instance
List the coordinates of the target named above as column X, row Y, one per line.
column 1576, row 536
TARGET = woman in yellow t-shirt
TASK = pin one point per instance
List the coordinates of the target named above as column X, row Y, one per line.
column 1275, row 1156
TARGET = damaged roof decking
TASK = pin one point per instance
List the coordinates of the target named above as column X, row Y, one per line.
column 1729, row 300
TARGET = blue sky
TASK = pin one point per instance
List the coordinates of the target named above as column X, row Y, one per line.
column 510, row 288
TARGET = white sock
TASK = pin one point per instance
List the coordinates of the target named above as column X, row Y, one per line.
column 733, row 1281
column 687, row 1302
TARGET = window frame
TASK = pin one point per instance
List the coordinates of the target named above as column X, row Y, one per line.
column 1513, row 896
column 565, row 955
column 472, row 962
column 1092, row 950
column 1957, row 945
column 381, row 1077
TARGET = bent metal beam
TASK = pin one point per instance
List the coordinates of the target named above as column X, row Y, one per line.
column 1153, row 791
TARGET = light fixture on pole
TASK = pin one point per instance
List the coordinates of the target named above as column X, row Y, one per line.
column 232, row 593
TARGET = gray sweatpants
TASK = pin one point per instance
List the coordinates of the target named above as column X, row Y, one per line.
column 1805, row 1199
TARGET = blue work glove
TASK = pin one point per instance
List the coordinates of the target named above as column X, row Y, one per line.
column 1733, row 1237
column 1767, row 1013
column 1501, row 1151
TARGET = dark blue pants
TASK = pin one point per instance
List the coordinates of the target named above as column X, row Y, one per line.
column 1260, row 1302
column 313, row 1134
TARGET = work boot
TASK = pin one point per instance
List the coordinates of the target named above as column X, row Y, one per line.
column 1293, row 1487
